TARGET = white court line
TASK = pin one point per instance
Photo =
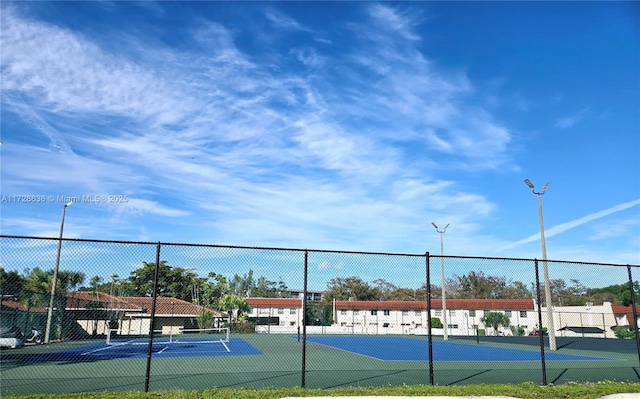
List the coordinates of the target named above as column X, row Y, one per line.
column 225, row 346
column 105, row 348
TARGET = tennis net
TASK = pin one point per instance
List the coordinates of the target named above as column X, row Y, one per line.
column 179, row 336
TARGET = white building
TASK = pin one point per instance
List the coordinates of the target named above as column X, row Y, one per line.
column 392, row 317
column 277, row 315
column 410, row 317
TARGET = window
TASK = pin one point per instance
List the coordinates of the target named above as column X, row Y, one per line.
column 264, row 311
column 452, row 325
column 343, row 312
column 472, row 313
column 385, row 325
column 418, row 313
column 280, row 311
column 356, row 312
column 292, row 323
column 523, row 313
column 507, row 313
column 292, row 311
column 452, row 312
column 405, row 313
column 386, row 313
column 374, row 313
column 438, row 312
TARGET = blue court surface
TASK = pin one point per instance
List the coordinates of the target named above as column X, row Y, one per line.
column 139, row 349
column 399, row 348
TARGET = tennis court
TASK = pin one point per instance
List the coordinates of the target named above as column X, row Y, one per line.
column 402, row 348
column 270, row 360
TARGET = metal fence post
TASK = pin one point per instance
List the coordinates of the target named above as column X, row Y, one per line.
column 152, row 319
column 540, row 330
column 635, row 312
column 304, row 324
column 430, row 339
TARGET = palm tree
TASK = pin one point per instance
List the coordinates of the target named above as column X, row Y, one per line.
column 38, row 292
column 67, row 281
column 235, row 305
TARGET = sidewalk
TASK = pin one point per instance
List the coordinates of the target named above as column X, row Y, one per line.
column 614, row 396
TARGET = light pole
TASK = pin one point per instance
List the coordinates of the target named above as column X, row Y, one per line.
column 444, row 295
column 547, row 285
column 47, row 331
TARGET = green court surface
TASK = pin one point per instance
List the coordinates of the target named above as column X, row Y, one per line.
column 266, row 360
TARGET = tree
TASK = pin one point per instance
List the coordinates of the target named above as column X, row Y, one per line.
column 212, row 289
column 617, row 294
column 39, row 283
column 175, row 282
column 205, row 320
column 236, row 306
column 385, row 288
column 95, row 284
column 242, row 285
column 350, row 287
column 11, row 283
column 495, row 320
column 476, row 285
column 269, row 289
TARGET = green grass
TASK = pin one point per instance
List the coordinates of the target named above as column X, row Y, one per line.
column 524, row 391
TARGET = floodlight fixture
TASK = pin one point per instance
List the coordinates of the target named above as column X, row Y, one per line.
column 531, row 186
column 544, row 188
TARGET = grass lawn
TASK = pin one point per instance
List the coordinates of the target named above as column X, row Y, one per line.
column 524, row 391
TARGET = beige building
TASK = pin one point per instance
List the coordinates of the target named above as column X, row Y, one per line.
column 92, row 313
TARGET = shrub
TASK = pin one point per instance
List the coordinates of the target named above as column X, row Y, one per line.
column 624, row 332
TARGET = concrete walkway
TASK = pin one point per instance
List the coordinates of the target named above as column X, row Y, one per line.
column 614, row 396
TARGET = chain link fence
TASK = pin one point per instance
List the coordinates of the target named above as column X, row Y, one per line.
column 93, row 315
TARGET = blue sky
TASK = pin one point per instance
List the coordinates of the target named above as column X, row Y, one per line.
column 329, row 125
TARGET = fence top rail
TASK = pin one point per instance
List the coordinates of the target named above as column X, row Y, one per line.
column 426, row 254
column 176, row 244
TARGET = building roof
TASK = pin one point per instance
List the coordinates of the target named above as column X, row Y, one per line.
column 627, row 311
column 472, row 304
column 479, row 304
column 165, row 307
column 13, row 305
column 275, row 302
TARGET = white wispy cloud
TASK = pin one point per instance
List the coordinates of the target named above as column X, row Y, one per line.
column 561, row 228
column 572, row 119
column 244, row 149
column 393, row 20
column 284, row 21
